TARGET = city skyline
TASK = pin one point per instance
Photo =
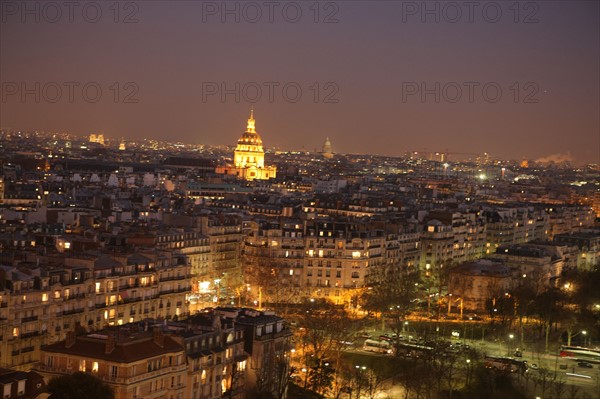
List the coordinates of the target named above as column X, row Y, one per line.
column 377, row 78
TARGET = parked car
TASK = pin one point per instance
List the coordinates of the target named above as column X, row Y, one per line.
column 585, row 365
column 534, row 366
column 518, row 353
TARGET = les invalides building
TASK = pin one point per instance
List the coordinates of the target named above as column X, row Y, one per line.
column 249, row 157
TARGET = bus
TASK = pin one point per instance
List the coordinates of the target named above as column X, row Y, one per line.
column 372, row 345
column 505, row 364
column 581, row 354
column 414, row 350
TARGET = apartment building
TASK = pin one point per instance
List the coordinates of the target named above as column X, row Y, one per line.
column 39, row 304
column 267, row 340
column 134, row 362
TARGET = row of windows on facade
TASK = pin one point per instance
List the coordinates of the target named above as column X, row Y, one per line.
column 338, row 273
column 355, row 254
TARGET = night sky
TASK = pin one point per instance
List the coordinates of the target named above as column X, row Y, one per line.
column 361, row 67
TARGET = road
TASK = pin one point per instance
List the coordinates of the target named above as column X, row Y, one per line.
column 567, row 370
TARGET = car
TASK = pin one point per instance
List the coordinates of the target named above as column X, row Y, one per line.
column 518, row 353
column 534, row 366
column 585, row 365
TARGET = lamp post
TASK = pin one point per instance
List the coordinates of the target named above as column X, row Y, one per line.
column 468, row 372
column 510, row 338
column 218, row 289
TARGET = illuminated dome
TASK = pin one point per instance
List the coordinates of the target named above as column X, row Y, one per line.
column 327, row 149
column 249, row 157
column 249, row 150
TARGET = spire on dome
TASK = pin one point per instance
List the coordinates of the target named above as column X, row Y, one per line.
column 251, row 123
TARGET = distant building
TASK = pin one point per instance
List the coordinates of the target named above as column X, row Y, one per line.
column 539, row 265
column 327, row 149
column 249, row 157
column 474, row 283
column 97, row 138
column 588, row 243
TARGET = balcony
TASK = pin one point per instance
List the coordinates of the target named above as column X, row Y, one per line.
column 72, row 311
column 172, row 278
column 30, row 318
column 29, row 334
column 175, row 290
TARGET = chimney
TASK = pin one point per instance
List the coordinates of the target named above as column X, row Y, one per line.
column 110, row 344
column 158, row 337
column 70, row 341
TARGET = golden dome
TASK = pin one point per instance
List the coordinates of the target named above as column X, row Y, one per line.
column 250, row 136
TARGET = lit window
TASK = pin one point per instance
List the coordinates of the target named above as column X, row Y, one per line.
column 356, row 254
column 95, row 367
column 82, row 365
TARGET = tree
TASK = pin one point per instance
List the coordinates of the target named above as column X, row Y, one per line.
column 270, row 283
column 325, row 330
column 393, row 295
column 79, row 385
column 548, row 306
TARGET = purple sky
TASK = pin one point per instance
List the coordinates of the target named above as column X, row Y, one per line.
column 374, row 61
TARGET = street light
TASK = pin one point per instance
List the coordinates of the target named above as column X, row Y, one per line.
column 468, row 371
column 511, row 337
